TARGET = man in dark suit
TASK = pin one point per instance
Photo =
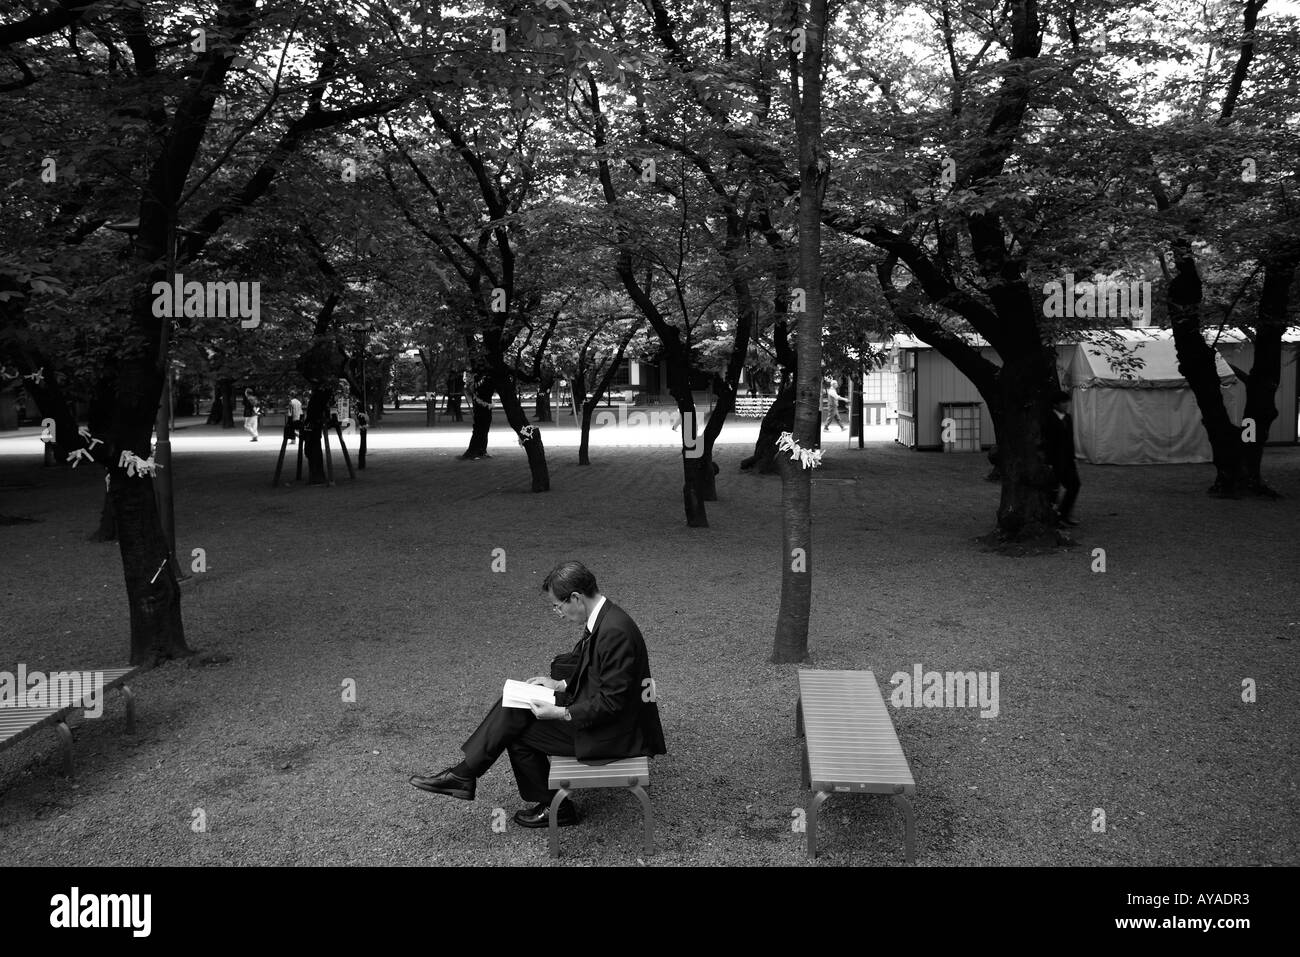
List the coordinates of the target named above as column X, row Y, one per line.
column 1060, row 455
column 604, row 705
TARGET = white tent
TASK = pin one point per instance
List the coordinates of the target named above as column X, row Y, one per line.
column 1147, row 415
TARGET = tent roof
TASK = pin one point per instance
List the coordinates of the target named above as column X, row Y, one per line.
column 904, row 341
column 1090, row 366
column 1234, row 336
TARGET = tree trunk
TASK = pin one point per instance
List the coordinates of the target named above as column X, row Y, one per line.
column 791, row 641
column 693, row 486
column 1196, row 362
column 482, row 417
column 1266, row 369
column 1261, row 409
column 1026, row 510
column 375, row 386
column 717, row 418
column 514, row 409
column 708, row 476
column 227, row 387
column 107, row 530
column 153, row 594
column 778, row 418
column 315, row 421
column 587, row 409
column 218, row 410
column 578, row 385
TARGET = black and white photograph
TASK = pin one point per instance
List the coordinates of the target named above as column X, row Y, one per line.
column 794, row 439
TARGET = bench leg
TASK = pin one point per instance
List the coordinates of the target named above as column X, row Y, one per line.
column 811, row 823
column 805, row 776
column 649, row 815
column 130, row 709
column 552, row 825
column 909, row 823
column 798, row 717
column 65, row 736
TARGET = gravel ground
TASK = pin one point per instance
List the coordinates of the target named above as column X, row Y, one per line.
column 1119, row 690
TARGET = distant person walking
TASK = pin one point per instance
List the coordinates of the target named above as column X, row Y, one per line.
column 455, row 389
column 252, row 409
column 295, row 416
column 833, row 400
column 1060, row 455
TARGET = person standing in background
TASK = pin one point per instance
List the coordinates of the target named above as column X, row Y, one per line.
column 295, row 416
column 1060, row 455
column 455, row 390
column 833, row 400
column 252, row 409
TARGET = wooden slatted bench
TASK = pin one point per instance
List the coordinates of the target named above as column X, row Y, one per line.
column 570, row 774
column 850, row 745
column 18, row 723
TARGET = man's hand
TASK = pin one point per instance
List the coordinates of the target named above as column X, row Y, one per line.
column 544, row 682
column 546, row 712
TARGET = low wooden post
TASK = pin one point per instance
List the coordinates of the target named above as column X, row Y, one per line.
column 284, row 445
column 347, row 459
column 329, row 459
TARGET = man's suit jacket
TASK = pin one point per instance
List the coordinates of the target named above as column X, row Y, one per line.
column 606, row 694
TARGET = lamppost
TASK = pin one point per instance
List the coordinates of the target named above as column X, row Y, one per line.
column 360, row 334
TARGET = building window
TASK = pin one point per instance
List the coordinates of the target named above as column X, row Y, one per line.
column 907, row 382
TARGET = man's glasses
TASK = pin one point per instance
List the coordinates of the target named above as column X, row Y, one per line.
column 558, row 606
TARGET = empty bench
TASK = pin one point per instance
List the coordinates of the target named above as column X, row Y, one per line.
column 850, row 745
column 570, row 774
column 17, row 723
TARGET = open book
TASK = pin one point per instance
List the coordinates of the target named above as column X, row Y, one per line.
column 519, row 694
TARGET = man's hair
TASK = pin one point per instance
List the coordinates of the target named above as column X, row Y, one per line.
column 1059, row 396
column 567, row 577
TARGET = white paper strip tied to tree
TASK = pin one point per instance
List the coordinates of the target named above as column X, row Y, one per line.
column 808, row 458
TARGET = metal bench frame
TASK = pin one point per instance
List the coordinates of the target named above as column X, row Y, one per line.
column 18, row 723
column 863, row 781
column 570, row 774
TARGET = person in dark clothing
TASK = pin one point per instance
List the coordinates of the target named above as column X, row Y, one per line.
column 1060, row 455
column 455, row 390
column 604, row 705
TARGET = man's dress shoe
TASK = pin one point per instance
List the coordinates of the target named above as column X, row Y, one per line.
column 539, row 815
column 444, row 782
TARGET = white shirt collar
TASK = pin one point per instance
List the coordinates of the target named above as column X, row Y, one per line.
column 591, row 619
column 1059, row 414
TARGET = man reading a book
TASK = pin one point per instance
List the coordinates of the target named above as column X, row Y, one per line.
column 604, row 707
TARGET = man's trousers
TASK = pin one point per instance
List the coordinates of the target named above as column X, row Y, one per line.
column 529, row 742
